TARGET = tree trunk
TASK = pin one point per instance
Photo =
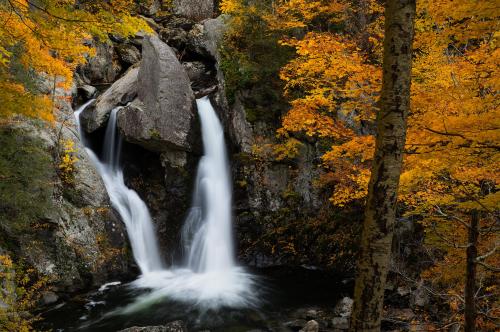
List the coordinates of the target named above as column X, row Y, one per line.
column 470, row 276
column 379, row 220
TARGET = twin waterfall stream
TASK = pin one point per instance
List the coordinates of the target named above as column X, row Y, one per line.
column 209, row 277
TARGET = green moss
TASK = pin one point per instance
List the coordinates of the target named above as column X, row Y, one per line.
column 154, row 133
column 26, row 180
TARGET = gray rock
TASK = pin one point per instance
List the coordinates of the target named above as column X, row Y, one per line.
column 420, row 296
column 344, row 307
column 205, row 91
column 176, row 326
column 162, row 116
column 194, row 9
column 49, row 298
column 205, row 37
column 128, row 53
column 311, row 326
column 296, row 324
column 174, row 36
column 195, row 70
column 103, row 67
column 149, row 7
column 340, row 323
column 73, row 231
column 307, row 313
column 87, row 91
column 120, row 93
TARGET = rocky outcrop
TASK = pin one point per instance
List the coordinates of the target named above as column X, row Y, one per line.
column 120, row 93
column 162, row 117
column 59, row 222
column 194, row 9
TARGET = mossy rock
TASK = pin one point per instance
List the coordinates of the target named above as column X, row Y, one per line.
column 27, row 177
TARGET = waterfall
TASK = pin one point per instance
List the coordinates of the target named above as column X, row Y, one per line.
column 207, row 235
column 132, row 210
column 209, row 277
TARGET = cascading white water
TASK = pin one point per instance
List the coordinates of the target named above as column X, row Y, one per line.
column 132, row 210
column 210, row 277
column 207, row 232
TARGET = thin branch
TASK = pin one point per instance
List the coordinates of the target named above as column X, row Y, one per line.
column 488, row 254
column 489, row 267
column 442, row 214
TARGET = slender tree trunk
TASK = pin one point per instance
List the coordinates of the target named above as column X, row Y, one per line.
column 470, row 276
column 379, row 220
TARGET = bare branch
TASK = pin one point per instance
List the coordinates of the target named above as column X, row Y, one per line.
column 489, row 267
column 488, row 254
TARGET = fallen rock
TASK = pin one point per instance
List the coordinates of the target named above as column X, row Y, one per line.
column 120, row 93
column 48, row 298
column 344, row 307
column 311, row 326
column 162, row 117
column 87, row 91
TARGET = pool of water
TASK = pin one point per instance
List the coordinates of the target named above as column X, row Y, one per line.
column 282, row 292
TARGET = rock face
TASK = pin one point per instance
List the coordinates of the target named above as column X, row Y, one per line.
column 120, row 93
column 59, row 223
column 162, row 117
column 194, row 9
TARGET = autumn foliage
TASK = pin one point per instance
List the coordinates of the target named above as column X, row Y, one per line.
column 451, row 165
column 51, row 38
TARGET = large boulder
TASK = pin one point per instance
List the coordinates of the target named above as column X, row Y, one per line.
column 194, row 9
column 162, row 117
column 120, row 93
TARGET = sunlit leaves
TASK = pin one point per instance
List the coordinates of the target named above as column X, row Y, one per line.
column 51, row 37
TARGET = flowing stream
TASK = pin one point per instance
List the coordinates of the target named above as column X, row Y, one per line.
column 209, row 276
